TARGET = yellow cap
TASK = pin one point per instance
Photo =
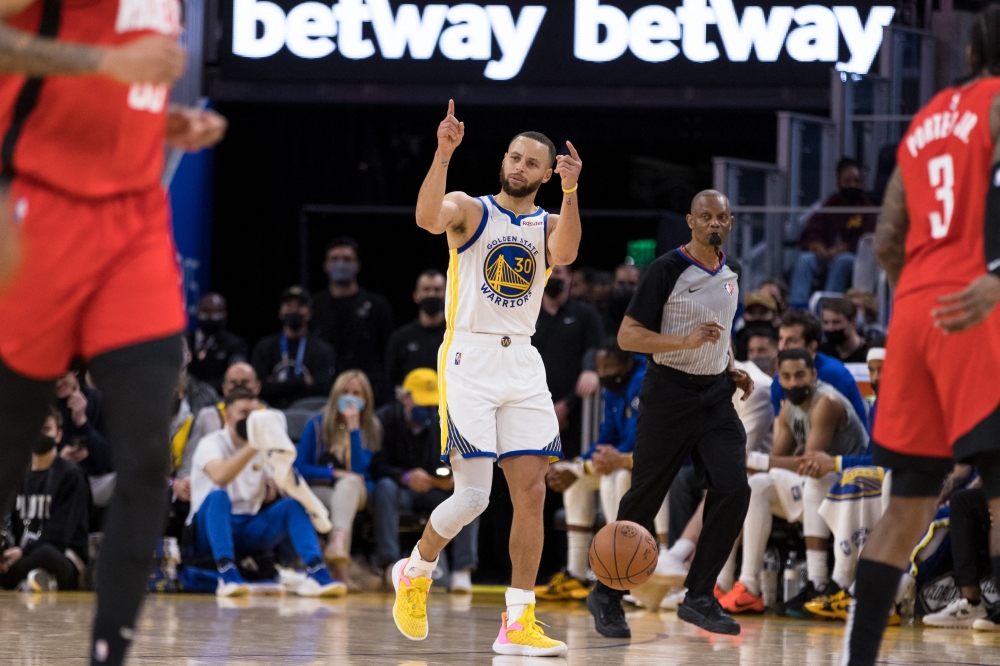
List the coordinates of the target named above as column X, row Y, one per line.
column 422, row 384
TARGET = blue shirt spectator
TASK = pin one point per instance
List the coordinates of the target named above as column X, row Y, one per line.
column 311, row 449
column 621, row 412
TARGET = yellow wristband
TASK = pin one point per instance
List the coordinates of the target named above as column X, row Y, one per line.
column 631, row 460
column 572, row 190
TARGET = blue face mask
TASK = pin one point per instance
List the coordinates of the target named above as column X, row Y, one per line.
column 423, row 416
column 347, row 400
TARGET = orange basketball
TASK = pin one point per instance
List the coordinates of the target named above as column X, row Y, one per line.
column 623, row 555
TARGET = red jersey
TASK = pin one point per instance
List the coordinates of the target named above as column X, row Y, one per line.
column 945, row 159
column 88, row 136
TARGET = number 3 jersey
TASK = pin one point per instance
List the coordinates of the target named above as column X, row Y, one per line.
column 87, row 136
column 495, row 280
column 945, row 158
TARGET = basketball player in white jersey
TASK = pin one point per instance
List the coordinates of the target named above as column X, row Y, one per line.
column 495, row 404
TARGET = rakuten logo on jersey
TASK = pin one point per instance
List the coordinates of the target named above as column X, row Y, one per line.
column 308, row 28
column 601, row 32
column 162, row 16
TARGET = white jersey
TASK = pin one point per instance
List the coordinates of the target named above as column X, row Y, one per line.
column 495, row 280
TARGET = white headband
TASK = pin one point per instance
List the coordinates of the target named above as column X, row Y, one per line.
column 876, row 354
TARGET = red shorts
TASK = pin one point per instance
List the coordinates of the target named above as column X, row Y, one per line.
column 97, row 275
column 935, row 388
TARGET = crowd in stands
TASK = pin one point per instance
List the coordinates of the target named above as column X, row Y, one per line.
column 360, row 403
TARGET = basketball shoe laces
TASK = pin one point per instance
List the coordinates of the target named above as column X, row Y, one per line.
column 416, row 597
column 530, row 626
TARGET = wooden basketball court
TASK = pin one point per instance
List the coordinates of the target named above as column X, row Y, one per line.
column 42, row 629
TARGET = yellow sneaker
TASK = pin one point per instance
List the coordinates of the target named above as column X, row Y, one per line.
column 410, row 610
column 525, row 638
column 833, row 606
column 562, row 587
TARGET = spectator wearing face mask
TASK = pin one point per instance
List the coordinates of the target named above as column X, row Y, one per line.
column 567, row 336
column 762, row 350
column 627, row 278
column 407, row 478
column 356, row 322
column 214, row 347
column 334, row 455
column 416, row 344
column 294, row 363
column 829, row 241
column 49, row 521
column 760, row 312
column 839, row 329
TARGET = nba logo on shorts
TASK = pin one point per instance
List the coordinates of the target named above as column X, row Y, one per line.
column 458, row 358
column 505, row 341
column 20, row 210
column 730, row 288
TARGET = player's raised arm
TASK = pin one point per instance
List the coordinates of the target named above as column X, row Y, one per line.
column 437, row 212
column 563, row 242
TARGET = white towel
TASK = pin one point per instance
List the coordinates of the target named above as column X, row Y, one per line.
column 790, row 488
column 267, row 431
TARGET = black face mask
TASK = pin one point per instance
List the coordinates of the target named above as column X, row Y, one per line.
column 554, row 287
column 294, row 321
column 875, row 388
column 175, row 405
column 715, row 239
column 798, row 394
column 836, row 338
column 42, row 445
column 614, row 383
column 211, row 326
column 852, row 194
column 241, row 430
column 431, row 305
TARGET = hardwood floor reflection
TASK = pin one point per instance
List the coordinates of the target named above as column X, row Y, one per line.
column 38, row 630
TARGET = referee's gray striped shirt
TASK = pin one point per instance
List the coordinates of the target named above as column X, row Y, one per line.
column 676, row 294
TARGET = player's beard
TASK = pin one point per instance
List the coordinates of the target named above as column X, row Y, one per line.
column 517, row 192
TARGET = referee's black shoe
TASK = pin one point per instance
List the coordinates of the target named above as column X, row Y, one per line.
column 704, row 611
column 605, row 605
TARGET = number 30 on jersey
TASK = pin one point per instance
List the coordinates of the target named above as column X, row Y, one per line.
column 942, row 174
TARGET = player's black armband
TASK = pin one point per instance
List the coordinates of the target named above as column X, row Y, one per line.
column 991, row 234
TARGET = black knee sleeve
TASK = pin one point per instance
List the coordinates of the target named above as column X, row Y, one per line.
column 988, row 466
column 917, row 483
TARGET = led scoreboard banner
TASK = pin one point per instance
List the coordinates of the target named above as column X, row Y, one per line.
column 545, row 43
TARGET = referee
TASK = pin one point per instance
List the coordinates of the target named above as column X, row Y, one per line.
column 681, row 316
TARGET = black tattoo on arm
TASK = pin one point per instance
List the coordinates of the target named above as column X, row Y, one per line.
column 23, row 53
column 893, row 224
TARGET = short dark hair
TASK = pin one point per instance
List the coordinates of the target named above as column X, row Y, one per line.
column 612, row 349
column 797, row 355
column 842, row 306
column 757, row 330
column 345, row 241
column 239, row 393
column 56, row 416
column 542, row 139
column 431, row 273
column 984, row 41
column 846, row 163
column 812, row 331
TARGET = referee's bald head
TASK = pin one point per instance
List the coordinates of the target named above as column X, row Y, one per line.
column 699, row 198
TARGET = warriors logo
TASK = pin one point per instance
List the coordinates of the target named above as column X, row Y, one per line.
column 510, row 270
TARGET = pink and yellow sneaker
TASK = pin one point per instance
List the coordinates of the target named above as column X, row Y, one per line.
column 525, row 638
column 410, row 610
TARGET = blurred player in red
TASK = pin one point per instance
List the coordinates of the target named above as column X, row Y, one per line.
column 938, row 239
column 87, row 260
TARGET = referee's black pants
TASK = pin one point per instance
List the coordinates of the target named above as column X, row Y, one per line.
column 683, row 415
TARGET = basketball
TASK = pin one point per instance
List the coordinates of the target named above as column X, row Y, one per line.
column 623, row 555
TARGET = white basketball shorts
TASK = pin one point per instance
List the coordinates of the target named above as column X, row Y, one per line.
column 495, row 400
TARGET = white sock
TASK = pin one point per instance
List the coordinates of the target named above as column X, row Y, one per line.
column 816, row 568
column 517, row 602
column 682, row 549
column 418, row 567
column 578, row 554
column 752, row 585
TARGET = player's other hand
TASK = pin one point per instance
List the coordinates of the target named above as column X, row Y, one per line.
column 568, row 167
column 743, row 382
column 709, row 331
column 559, row 480
column 10, row 245
column 607, row 459
column 450, row 132
column 969, row 307
column 155, row 59
column 816, row 464
column 191, row 130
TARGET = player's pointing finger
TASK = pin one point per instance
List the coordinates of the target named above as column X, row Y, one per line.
column 572, row 150
column 451, row 107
